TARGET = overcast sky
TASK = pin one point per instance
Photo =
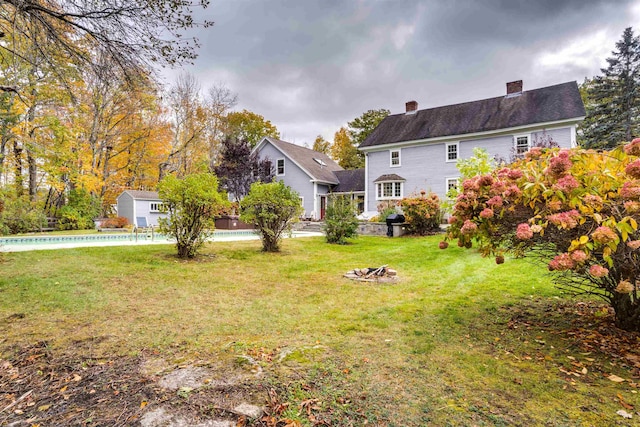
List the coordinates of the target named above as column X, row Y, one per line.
column 311, row 66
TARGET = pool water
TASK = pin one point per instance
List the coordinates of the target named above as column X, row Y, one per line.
column 120, row 237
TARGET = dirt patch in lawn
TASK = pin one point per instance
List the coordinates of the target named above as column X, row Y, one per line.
column 39, row 387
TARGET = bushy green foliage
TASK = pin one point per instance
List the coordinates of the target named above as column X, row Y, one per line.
column 18, row 214
column 480, row 163
column 385, row 209
column 191, row 203
column 576, row 209
column 80, row 211
column 340, row 222
column 272, row 208
column 422, row 213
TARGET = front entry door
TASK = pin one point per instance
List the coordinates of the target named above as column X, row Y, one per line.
column 323, row 206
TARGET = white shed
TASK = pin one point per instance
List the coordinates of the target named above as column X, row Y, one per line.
column 141, row 208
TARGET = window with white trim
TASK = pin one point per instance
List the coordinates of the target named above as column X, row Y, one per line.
column 394, row 158
column 452, row 184
column 452, row 151
column 522, row 144
column 280, row 167
column 389, row 190
column 156, row 207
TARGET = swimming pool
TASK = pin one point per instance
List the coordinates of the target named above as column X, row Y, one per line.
column 27, row 243
column 110, row 237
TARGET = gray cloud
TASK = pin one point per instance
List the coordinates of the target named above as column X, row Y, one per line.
column 311, row 66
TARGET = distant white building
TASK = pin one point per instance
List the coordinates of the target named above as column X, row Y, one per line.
column 141, row 208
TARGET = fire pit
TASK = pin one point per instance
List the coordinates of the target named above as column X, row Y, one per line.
column 381, row 274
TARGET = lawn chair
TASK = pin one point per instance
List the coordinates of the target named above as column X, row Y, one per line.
column 143, row 228
column 141, row 222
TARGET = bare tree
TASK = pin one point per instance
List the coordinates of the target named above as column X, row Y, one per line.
column 219, row 101
column 189, row 126
column 132, row 33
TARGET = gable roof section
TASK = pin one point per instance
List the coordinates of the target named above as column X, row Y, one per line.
column 142, row 195
column 351, row 181
column 548, row 104
column 322, row 171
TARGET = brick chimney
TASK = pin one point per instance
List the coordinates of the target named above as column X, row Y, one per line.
column 412, row 106
column 514, row 87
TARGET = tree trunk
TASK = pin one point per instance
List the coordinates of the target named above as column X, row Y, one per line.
column 627, row 311
column 31, row 160
column 33, row 176
column 17, row 154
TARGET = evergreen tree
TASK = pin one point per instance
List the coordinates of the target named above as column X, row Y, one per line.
column 613, row 99
column 361, row 127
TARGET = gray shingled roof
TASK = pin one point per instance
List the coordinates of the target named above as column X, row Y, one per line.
column 389, row 177
column 351, row 181
column 547, row 104
column 143, row 195
column 305, row 158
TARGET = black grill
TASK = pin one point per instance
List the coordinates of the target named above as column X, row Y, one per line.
column 393, row 219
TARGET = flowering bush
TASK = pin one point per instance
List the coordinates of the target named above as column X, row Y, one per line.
column 578, row 210
column 422, row 212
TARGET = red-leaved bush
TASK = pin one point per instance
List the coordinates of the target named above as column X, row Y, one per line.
column 117, row 222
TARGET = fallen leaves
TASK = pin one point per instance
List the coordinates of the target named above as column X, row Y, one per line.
column 623, row 402
column 624, row 414
column 615, row 379
column 62, row 389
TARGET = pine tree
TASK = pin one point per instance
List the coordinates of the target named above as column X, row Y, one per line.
column 613, row 99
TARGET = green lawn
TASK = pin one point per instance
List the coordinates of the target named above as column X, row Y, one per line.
column 458, row 340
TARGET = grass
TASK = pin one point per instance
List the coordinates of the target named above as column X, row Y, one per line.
column 440, row 347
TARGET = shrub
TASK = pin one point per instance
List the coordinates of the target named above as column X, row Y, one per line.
column 272, row 208
column 192, row 204
column 340, row 219
column 385, row 209
column 19, row 215
column 577, row 210
column 117, row 222
column 422, row 212
column 79, row 212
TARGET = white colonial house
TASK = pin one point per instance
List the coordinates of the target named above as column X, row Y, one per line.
column 418, row 149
